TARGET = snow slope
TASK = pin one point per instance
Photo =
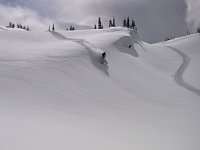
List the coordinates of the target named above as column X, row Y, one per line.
column 191, row 49
column 54, row 93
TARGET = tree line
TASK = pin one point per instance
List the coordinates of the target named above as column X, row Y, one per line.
column 19, row 25
column 71, row 28
column 112, row 23
column 127, row 22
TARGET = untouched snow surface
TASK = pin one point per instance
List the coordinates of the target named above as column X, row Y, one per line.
column 54, row 93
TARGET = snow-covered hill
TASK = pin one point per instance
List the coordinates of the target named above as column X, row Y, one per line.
column 54, row 93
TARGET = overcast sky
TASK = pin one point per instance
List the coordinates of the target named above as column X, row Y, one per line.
column 155, row 19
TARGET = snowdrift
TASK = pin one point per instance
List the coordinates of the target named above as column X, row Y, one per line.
column 55, row 94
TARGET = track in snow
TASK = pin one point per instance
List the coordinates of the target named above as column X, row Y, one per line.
column 94, row 52
column 179, row 74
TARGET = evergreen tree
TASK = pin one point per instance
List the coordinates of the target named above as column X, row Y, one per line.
column 124, row 22
column 27, row 28
column 128, row 23
column 13, row 25
column 72, row 28
column 113, row 23
column 198, row 30
column 19, row 25
column 188, row 33
column 95, row 26
column 99, row 23
column 10, row 24
column 110, row 23
column 133, row 24
column 53, row 28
